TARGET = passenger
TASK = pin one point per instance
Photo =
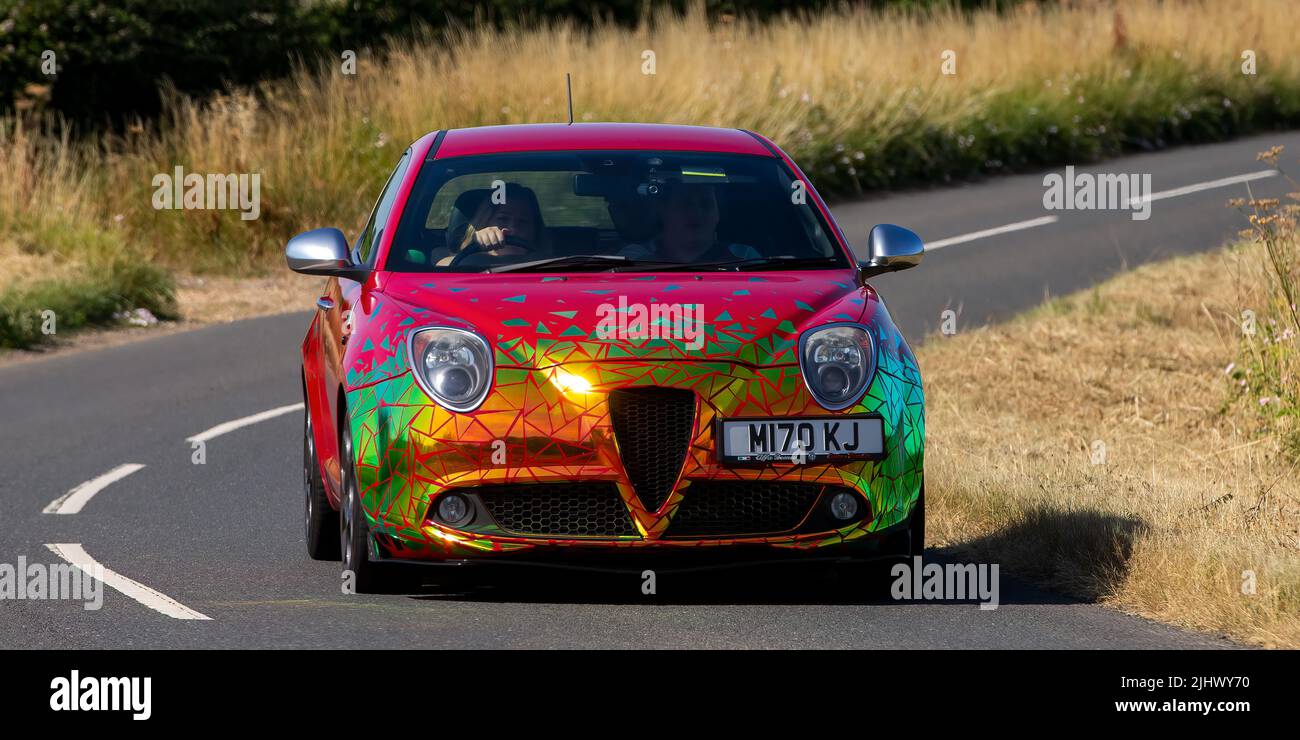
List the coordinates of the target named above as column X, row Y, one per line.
column 688, row 218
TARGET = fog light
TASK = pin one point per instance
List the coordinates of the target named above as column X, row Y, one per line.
column 844, row 506
column 453, row 509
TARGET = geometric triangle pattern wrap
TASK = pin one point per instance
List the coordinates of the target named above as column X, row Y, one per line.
column 546, row 418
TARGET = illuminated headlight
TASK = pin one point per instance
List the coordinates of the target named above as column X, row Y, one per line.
column 453, row 366
column 837, row 362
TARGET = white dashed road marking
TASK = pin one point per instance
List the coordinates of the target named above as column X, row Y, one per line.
column 72, row 501
column 1017, row 226
column 231, row 426
column 1133, row 202
column 161, row 603
column 1198, row 187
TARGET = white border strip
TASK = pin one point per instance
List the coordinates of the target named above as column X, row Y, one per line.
column 972, row 236
column 80, row 559
column 72, row 501
column 1222, row 182
column 231, row 426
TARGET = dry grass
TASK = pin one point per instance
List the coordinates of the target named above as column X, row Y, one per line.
column 1195, row 492
column 856, row 96
column 216, row 299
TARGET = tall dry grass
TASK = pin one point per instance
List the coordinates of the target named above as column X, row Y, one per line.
column 60, row 258
column 1268, row 367
column 857, row 96
column 48, row 185
column 1105, row 445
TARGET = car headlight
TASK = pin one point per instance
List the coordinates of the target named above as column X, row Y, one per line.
column 453, row 366
column 837, row 363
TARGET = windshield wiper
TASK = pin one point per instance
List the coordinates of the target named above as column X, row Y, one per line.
column 603, row 261
column 620, row 263
column 779, row 262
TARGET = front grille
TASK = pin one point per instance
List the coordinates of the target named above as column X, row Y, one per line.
column 558, row 509
column 733, row 508
column 653, row 427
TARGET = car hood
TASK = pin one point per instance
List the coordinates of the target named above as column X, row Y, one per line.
column 539, row 320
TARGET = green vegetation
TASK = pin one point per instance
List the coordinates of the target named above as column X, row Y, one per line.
column 32, row 314
column 862, row 99
column 1267, row 370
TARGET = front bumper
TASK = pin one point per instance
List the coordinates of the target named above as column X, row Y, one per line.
column 552, row 433
column 884, row 544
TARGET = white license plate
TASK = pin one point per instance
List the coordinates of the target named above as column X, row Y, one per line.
column 801, row 439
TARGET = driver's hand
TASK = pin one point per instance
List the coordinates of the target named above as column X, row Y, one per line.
column 491, row 236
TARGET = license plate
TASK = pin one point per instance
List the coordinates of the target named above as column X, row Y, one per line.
column 801, row 439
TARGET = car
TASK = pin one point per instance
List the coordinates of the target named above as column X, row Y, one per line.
column 600, row 343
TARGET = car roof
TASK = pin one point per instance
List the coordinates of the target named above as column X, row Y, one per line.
column 550, row 137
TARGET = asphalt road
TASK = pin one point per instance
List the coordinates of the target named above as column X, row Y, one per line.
column 224, row 538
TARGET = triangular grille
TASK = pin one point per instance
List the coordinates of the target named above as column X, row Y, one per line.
column 653, row 427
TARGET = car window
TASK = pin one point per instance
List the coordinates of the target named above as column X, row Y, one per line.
column 374, row 230
column 559, row 205
column 468, row 214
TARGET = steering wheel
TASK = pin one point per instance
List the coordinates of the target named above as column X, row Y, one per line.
column 474, row 248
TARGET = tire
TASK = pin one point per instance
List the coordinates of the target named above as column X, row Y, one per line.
column 320, row 520
column 874, row 576
column 359, row 566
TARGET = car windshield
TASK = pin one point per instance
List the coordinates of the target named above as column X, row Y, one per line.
column 590, row 211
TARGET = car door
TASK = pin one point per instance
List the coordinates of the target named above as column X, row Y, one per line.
column 338, row 306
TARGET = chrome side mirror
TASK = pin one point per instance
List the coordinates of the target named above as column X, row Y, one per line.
column 323, row 252
column 891, row 248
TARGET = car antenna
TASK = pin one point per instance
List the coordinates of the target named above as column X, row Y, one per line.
column 568, row 83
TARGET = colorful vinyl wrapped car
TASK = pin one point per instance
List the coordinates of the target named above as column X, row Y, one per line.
column 582, row 343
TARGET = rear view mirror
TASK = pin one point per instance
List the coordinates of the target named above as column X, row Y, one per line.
column 891, row 248
column 591, row 185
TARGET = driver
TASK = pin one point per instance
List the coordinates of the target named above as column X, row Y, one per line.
column 688, row 215
column 518, row 219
